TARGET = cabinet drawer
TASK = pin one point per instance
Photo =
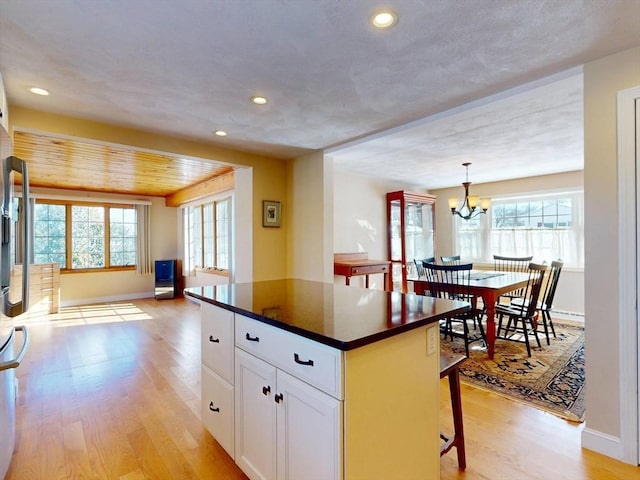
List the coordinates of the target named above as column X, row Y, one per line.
column 313, row 362
column 218, row 409
column 366, row 270
column 217, row 340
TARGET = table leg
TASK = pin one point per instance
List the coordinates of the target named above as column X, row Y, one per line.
column 366, row 281
column 490, row 304
column 347, row 280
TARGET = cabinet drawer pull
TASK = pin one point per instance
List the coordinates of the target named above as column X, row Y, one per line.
column 213, row 340
column 266, row 390
column 278, row 398
column 213, row 409
column 296, row 358
column 252, row 339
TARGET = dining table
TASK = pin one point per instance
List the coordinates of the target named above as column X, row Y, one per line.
column 489, row 285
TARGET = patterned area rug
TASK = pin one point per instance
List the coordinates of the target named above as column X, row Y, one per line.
column 552, row 379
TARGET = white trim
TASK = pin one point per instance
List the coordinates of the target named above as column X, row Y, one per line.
column 627, row 268
column 566, row 315
column 78, row 196
column 109, row 299
column 602, row 443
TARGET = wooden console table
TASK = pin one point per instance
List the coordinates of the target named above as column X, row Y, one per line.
column 352, row 264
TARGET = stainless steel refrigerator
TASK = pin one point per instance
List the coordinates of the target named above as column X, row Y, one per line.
column 15, row 248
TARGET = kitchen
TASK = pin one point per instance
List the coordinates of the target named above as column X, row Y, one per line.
column 308, row 224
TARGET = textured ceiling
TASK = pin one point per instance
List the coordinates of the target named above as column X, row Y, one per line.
column 188, row 68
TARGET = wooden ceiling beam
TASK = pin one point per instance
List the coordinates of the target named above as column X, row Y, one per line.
column 204, row 189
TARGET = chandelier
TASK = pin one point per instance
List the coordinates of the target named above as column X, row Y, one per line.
column 469, row 208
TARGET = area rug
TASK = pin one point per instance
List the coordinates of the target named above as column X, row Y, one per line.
column 552, row 379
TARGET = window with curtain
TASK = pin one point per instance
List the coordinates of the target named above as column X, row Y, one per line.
column 207, row 235
column 547, row 226
column 84, row 236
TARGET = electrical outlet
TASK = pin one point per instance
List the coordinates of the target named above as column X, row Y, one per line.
column 432, row 340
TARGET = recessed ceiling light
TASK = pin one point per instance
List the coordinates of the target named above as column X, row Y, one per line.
column 220, row 133
column 259, row 100
column 384, row 19
column 39, row 91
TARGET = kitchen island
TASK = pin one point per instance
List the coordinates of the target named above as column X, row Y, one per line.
column 314, row 380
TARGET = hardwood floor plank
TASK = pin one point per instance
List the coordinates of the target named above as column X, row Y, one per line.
column 113, row 392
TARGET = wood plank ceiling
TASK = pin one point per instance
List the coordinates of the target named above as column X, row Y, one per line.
column 76, row 164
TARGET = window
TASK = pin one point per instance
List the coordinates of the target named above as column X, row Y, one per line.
column 122, row 236
column 84, row 236
column 49, row 234
column 207, row 235
column 545, row 226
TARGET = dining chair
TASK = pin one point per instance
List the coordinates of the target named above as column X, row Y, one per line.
column 420, row 267
column 452, row 282
column 545, row 304
column 511, row 264
column 523, row 316
column 455, row 260
column 452, row 260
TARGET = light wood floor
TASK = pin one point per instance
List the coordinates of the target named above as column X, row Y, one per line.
column 113, row 393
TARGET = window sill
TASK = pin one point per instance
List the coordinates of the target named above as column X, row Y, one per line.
column 97, row 270
column 213, row 271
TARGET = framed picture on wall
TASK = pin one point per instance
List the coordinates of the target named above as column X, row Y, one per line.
column 271, row 213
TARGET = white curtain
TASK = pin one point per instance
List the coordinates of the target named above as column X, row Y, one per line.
column 475, row 240
column 144, row 264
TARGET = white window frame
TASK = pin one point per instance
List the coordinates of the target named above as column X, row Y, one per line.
column 572, row 254
column 196, row 241
column 70, row 246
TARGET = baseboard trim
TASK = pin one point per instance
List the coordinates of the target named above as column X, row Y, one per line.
column 109, row 299
column 564, row 315
column 603, row 443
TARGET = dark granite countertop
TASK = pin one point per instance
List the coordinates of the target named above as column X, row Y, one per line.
column 344, row 317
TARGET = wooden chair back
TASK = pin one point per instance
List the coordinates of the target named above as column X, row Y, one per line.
column 512, row 264
column 549, row 292
column 449, row 281
column 531, row 292
column 452, row 260
column 420, row 265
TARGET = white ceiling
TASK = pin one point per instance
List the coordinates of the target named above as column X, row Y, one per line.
column 188, row 68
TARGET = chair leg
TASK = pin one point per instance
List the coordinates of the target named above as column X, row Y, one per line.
column 535, row 331
column 499, row 329
column 484, row 336
column 546, row 326
column 456, row 407
column 547, row 315
column 466, row 336
column 526, row 336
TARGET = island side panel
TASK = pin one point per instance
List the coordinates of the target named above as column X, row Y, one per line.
column 391, row 426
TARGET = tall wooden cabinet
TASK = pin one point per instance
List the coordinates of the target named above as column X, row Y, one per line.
column 411, row 233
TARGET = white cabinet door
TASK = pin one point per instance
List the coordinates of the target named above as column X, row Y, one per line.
column 218, row 408
column 217, row 340
column 255, row 416
column 308, row 437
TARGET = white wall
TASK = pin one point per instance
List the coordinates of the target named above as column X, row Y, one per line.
column 603, row 79
column 360, row 220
